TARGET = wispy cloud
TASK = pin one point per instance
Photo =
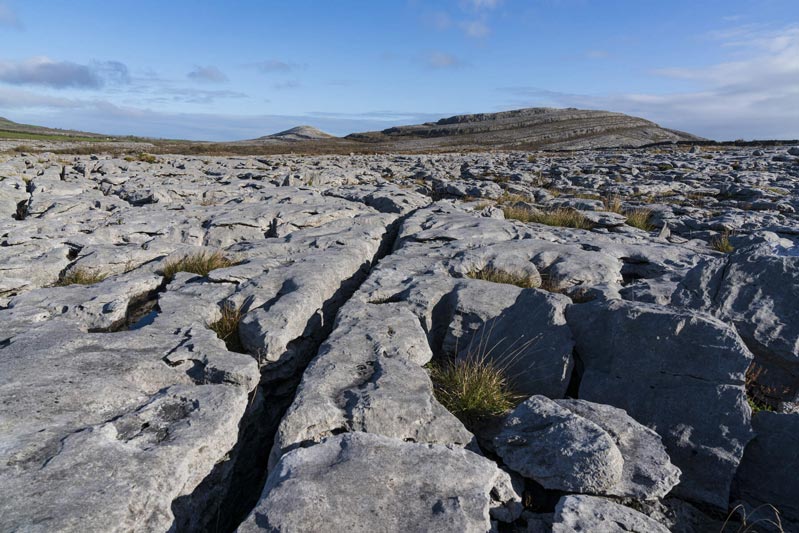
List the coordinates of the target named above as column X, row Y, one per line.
column 438, row 59
column 482, row 4
column 471, row 18
column 62, row 74
column 475, row 28
column 286, row 85
column 189, row 95
column 274, row 65
column 23, row 99
column 209, row 74
column 596, row 54
column 754, row 96
column 8, row 18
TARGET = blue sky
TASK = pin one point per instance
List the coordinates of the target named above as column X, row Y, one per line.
column 240, row 69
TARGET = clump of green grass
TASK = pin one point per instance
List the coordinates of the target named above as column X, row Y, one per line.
column 81, row 276
column 227, row 327
column 200, row 263
column 722, row 243
column 478, row 386
column 496, row 275
column 563, row 217
column 473, row 389
column 640, row 218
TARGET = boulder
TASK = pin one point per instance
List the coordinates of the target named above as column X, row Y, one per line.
column 756, row 288
column 679, row 372
column 580, row 513
column 767, row 474
column 579, row 446
column 523, row 331
column 547, row 443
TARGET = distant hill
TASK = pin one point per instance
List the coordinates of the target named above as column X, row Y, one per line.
column 522, row 129
column 536, row 127
column 14, row 130
column 530, row 128
column 298, row 133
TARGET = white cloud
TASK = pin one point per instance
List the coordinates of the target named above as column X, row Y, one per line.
column 754, row 96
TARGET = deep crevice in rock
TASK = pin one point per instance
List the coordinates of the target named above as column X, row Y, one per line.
column 228, row 494
column 141, row 311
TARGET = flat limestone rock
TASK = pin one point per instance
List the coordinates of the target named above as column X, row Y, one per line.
column 580, row 513
column 367, row 377
column 361, row 482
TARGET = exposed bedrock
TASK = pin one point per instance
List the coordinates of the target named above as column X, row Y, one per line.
column 212, row 343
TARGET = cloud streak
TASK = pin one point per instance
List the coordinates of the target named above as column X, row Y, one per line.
column 46, row 72
column 269, row 66
column 208, row 74
column 442, row 60
column 8, row 18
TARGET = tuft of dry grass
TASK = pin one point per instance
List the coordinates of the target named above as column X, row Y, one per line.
column 143, row 157
column 587, row 196
column 722, row 243
column 640, row 218
column 511, row 198
column 562, row 217
column 81, row 276
column 227, row 327
column 200, row 263
column 772, row 523
column 612, row 203
column 496, row 275
column 550, row 284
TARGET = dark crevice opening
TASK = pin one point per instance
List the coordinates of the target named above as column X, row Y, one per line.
column 578, row 369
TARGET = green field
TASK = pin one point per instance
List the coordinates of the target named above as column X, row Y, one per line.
column 4, row 134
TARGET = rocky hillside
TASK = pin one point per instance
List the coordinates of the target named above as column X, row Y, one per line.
column 286, row 343
column 527, row 128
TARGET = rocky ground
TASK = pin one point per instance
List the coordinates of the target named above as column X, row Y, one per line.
column 287, row 386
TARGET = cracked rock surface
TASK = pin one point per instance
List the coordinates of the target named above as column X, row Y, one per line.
column 640, row 304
